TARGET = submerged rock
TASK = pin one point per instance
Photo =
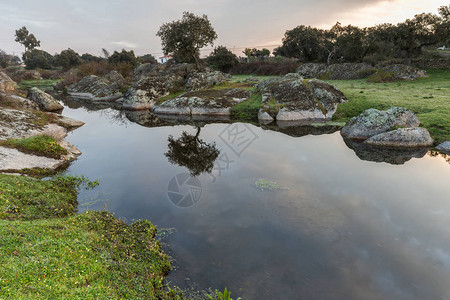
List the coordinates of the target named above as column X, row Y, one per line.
column 444, row 147
column 45, row 101
column 402, row 137
column 373, row 121
column 205, row 102
column 7, row 85
column 300, row 99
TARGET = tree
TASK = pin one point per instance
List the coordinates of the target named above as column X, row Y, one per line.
column 28, row 40
column 147, row 59
column 126, row 57
column 192, row 152
column 86, row 57
column 222, row 59
column 8, row 60
column 68, row 59
column 38, row 59
column 184, row 38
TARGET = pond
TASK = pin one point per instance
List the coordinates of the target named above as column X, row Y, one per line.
column 273, row 213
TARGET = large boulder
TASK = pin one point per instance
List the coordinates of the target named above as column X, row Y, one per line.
column 144, row 92
column 203, row 80
column 373, row 121
column 205, row 102
column 45, row 101
column 95, row 88
column 403, row 72
column 347, row 71
column 402, row 137
column 300, row 99
column 444, row 147
column 6, row 83
column 14, row 101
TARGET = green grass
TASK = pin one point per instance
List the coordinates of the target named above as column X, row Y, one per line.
column 42, row 84
column 48, row 252
column 248, row 109
column 428, row 98
column 40, row 145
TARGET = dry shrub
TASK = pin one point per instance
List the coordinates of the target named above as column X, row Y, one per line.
column 95, row 68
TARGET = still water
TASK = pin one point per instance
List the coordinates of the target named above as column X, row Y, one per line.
column 334, row 226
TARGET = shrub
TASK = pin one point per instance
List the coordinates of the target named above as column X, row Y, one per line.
column 222, row 59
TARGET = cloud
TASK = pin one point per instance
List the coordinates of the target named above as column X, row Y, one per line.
column 125, row 44
column 88, row 26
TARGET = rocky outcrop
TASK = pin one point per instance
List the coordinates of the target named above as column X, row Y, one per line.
column 312, row 70
column 345, row 71
column 342, row 71
column 373, row 121
column 14, row 101
column 205, row 102
column 402, row 137
column 144, row 93
column 444, row 147
column 7, row 85
column 203, row 80
column 45, row 101
column 16, row 124
column 299, row 99
column 96, row 88
column 402, row 72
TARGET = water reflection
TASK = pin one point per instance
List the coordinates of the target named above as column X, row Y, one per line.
column 345, row 228
column 192, row 152
column 382, row 154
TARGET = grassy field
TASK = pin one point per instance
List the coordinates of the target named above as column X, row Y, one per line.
column 428, row 98
column 48, row 252
column 42, row 84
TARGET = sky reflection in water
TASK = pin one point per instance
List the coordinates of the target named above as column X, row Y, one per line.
column 340, row 227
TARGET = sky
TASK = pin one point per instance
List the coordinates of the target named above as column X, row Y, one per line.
column 87, row 26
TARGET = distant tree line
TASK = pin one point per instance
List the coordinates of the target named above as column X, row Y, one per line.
column 352, row 44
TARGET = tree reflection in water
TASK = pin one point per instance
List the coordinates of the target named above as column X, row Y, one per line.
column 192, row 152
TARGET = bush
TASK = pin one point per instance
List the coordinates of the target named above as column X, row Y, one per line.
column 67, row 59
column 222, row 59
column 38, row 59
column 126, row 57
column 263, row 68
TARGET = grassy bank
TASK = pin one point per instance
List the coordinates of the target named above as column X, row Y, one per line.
column 48, row 252
column 428, row 98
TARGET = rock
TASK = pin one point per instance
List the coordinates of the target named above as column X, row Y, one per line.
column 95, row 88
column 13, row 160
column 403, row 72
column 372, row 122
column 204, row 102
column 7, row 85
column 144, row 93
column 55, row 131
column 15, row 101
column 402, row 137
column 312, row 70
column 67, row 122
column 444, row 147
column 395, row 156
column 264, row 117
column 346, row 71
column 45, row 101
column 115, row 77
column 203, row 80
column 301, row 99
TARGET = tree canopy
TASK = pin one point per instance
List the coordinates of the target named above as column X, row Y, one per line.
column 27, row 39
column 184, row 38
column 222, row 59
